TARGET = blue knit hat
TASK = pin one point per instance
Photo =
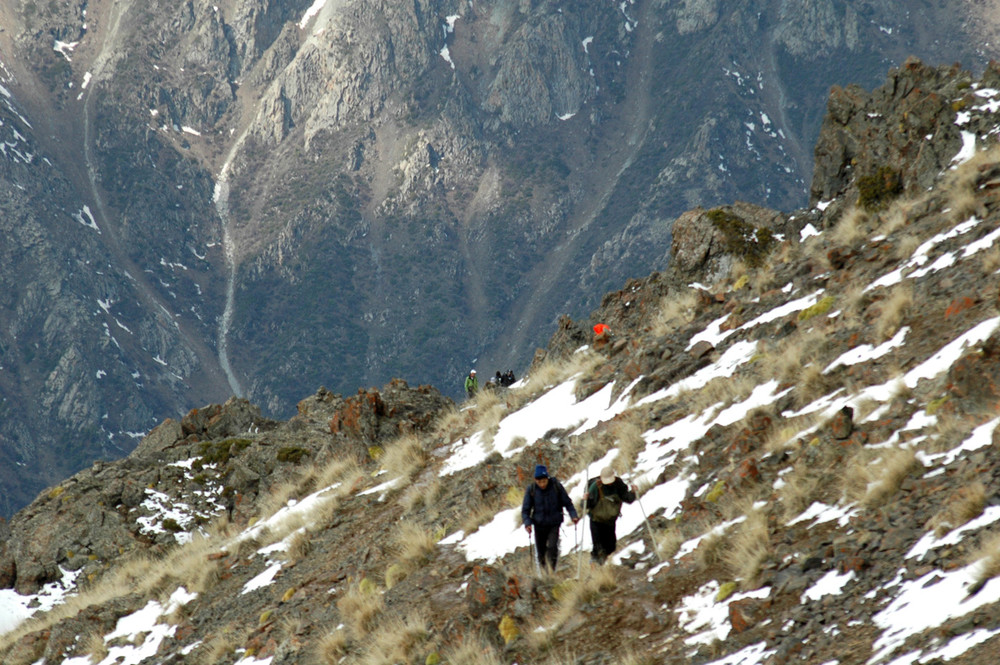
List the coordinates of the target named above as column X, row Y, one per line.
column 541, row 471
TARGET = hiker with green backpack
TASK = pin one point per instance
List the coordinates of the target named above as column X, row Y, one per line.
column 605, row 495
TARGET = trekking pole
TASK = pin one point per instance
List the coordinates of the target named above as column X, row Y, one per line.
column 531, row 545
column 586, row 493
column 652, row 540
column 579, row 549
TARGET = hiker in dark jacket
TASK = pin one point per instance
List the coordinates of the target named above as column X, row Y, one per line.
column 542, row 509
column 605, row 495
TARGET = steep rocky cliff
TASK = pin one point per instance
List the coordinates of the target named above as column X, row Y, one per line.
column 254, row 195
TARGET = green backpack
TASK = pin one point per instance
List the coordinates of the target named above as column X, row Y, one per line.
column 608, row 506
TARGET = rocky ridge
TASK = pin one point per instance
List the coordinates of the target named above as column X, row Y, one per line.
column 817, row 392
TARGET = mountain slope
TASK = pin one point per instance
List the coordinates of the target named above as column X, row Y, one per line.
column 807, row 402
column 339, row 192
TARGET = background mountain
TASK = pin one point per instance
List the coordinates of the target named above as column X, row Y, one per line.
column 250, row 197
column 807, row 403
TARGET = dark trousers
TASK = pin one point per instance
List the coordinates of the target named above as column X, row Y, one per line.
column 547, row 544
column 605, row 541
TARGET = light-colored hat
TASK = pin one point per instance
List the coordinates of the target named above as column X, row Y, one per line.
column 607, row 475
column 472, row 372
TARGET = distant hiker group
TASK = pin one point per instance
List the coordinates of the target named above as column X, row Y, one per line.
column 546, row 499
column 501, row 380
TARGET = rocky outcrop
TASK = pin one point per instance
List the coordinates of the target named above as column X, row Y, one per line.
column 889, row 128
column 104, row 513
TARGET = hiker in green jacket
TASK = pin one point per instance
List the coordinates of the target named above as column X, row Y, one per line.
column 605, row 495
column 471, row 384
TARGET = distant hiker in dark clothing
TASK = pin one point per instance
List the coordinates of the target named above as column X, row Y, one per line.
column 542, row 508
column 498, row 379
column 605, row 495
column 471, row 384
column 508, row 379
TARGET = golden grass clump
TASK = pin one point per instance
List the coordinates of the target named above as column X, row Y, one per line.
column 480, row 513
column 965, row 505
column 551, row 372
column 799, row 489
column 331, row 647
column 570, row 595
column 628, row 437
column 896, row 217
column 893, row 311
column 851, row 227
column 711, row 549
column 422, row 495
column 218, row 648
column 413, row 544
column 872, row 482
column 748, row 548
column 669, row 541
column 472, row 650
column 397, row 640
column 906, row 246
column 299, row 546
column 676, row 309
column 988, row 557
column 360, row 606
column 405, row 457
column 991, row 260
column 95, row 647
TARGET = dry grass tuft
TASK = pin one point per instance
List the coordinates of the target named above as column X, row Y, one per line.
column 360, row 606
column 95, row 647
column 748, row 548
column 450, row 424
column 331, row 647
column 628, row 436
column 405, row 457
column 217, row 649
column 851, row 227
column 906, row 246
column 894, row 310
column 963, row 506
column 299, row 546
column 413, row 544
column 872, row 482
column 711, row 549
column 422, row 495
column 397, row 640
column 473, row 650
column 675, row 310
column 991, row 261
column 670, row 541
column 987, row 555
column 897, row 216
column 800, row 488
column 570, row 595
column 550, row 373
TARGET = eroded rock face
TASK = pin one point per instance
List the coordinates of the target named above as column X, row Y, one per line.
column 917, row 101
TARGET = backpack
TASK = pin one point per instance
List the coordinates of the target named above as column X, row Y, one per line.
column 608, row 506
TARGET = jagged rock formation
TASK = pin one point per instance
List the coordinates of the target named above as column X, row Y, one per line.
column 815, row 392
column 263, row 194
